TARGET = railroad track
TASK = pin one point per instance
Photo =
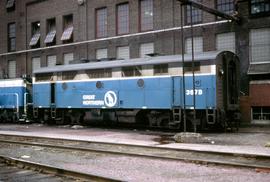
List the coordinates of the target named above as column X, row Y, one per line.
column 13, row 169
column 258, row 162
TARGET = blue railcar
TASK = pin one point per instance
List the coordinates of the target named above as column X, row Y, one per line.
column 13, row 99
column 153, row 90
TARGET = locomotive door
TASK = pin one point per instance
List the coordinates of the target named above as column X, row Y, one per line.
column 231, row 83
column 53, row 106
column 52, row 93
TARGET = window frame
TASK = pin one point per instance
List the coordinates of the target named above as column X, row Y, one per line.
column 68, row 18
column 187, row 14
column 258, row 14
column 222, row 4
column 50, row 31
column 97, row 25
column 141, row 29
column 11, row 38
column 35, row 32
column 117, row 19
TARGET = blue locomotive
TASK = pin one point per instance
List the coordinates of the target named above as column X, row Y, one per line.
column 14, row 96
column 148, row 90
column 158, row 91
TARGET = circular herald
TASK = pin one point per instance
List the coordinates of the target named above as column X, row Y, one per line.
column 110, row 99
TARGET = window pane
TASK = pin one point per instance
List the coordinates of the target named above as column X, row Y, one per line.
column 36, row 63
column 196, row 14
column 51, row 61
column 101, row 22
column 197, row 45
column 123, row 19
column 260, row 45
column 12, row 69
column 68, row 57
column 226, row 6
column 101, row 53
column 123, row 52
column 67, row 34
column 147, row 48
column 146, row 15
column 225, row 41
column 260, row 6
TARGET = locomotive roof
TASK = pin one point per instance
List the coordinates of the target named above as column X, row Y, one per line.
column 204, row 56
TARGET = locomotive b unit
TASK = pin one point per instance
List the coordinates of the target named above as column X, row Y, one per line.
column 155, row 90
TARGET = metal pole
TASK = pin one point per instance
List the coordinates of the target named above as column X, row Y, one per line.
column 183, row 70
column 193, row 75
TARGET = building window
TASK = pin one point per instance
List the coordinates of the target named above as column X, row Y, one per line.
column 12, row 69
column 225, row 41
column 123, row 52
column 67, row 36
column 131, row 71
column 188, row 66
column 259, row 7
column 161, row 69
column 145, row 49
column 68, row 57
column 260, row 114
column 101, row 23
column 122, row 19
column 51, row 32
column 260, row 45
column 35, row 40
column 196, row 14
column 51, row 61
column 11, row 37
column 36, row 63
column 146, row 15
column 101, row 53
column 197, row 45
column 226, row 6
column 10, row 5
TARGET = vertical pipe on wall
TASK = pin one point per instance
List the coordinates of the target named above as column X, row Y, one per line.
column 183, row 70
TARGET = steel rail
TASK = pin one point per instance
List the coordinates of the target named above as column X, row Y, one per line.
column 210, row 157
column 54, row 170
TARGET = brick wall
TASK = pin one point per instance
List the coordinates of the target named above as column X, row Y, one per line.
column 259, row 94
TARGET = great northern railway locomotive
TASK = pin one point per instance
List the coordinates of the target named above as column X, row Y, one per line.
column 148, row 90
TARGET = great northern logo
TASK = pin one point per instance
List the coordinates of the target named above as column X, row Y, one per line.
column 110, row 99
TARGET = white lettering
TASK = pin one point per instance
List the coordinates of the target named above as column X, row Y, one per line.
column 89, row 97
column 93, row 102
column 196, row 92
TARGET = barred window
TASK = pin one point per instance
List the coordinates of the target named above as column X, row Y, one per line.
column 68, row 75
column 123, row 52
column 258, row 7
column 11, row 37
column 197, row 45
column 131, row 71
column 188, row 66
column 260, row 45
column 99, row 73
column 43, row 77
column 146, row 48
column 101, row 53
column 225, row 41
column 146, row 15
column 123, row 18
column 196, row 14
column 226, row 6
column 101, row 23
column 161, row 69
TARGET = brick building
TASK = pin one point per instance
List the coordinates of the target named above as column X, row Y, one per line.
column 40, row 33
